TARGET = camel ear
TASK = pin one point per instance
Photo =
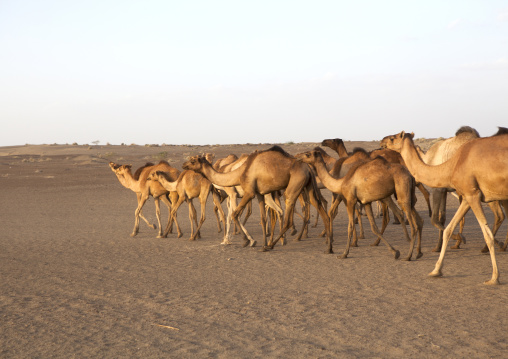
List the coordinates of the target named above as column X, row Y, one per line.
column 401, row 135
column 412, row 135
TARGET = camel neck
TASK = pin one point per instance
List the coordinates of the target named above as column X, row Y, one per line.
column 228, row 179
column 328, row 181
column 433, row 176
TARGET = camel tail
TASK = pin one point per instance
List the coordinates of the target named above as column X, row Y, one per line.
column 316, row 189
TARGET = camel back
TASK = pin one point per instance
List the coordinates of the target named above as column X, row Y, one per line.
column 467, row 129
column 140, row 169
column 501, row 131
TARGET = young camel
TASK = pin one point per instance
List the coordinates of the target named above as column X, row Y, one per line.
column 144, row 189
column 478, row 171
column 374, row 180
column 189, row 185
column 438, row 153
column 262, row 173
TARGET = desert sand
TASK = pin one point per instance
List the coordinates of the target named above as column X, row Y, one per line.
column 73, row 283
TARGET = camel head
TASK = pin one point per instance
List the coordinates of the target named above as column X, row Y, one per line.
column 119, row 169
column 394, row 142
column 311, row 157
column 332, row 143
column 195, row 163
column 209, row 157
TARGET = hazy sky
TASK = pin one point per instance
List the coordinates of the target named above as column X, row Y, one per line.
column 218, row 72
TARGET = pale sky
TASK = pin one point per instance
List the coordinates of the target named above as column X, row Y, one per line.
column 227, row 72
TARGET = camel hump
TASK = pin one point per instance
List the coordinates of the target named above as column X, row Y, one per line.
column 359, row 149
column 279, row 150
column 501, row 131
column 467, row 129
column 163, row 162
column 320, row 150
column 140, row 169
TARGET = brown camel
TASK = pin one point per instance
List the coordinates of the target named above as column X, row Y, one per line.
column 374, row 180
column 337, row 145
column 262, row 173
column 438, row 153
column 189, row 185
column 143, row 189
column 478, row 171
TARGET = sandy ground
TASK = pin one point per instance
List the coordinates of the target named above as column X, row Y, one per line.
column 73, row 283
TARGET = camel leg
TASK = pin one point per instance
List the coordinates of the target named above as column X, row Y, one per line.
column 419, row 224
column 202, row 201
column 153, row 226
column 192, row 218
column 174, row 210
column 375, row 230
column 498, row 220
column 166, row 201
column 350, row 206
column 141, row 202
column 332, row 212
column 474, row 203
column 304, row 201
column 398, row 214
column 361, row 235
column 227, row 225
column 461, row 212
column 173, row 216
column 426, row 195
column 262, row 213
column 158, row 215
column 386, row 220
column 315, row 201
column 503, row 246
column 219, row 212
column 438, row 218
column 236, row 213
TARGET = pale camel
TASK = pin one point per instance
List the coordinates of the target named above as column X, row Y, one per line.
column 478, row 171
column 438, row 153
column 265, row 172
column 144, row 189
column 189, row 185
column 369, row 181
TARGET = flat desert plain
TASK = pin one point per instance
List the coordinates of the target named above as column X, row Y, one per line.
column 75, row 284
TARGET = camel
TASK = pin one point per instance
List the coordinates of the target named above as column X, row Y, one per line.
column 265, row 172
column 189, row 185
column 337, row 145
column 143, row 189
column 369, row 181
column 438, row 153
column 478, row 171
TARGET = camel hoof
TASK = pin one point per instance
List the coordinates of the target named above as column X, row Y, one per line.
column 159, row 236
column 407, row 259
column 265, row 249
column 329, row 251
column 436, row 249
column 397, row 254
column 492, row 282
column 419, row 255
column 133, row 234
column 180, row 235
column 153, row 226
column 253, row 243
column 245, row 243
column 343, row 256
column 485, row 250
column 293, row 232
column 375, row 244
column 436, row 273
column 502, row 249
column 457, row 246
